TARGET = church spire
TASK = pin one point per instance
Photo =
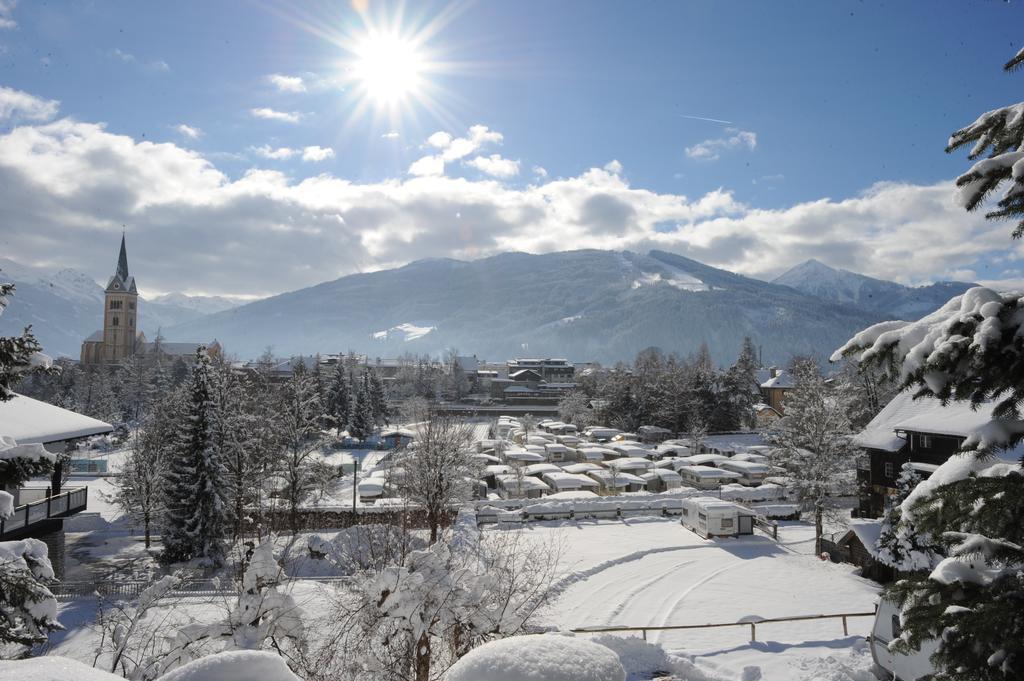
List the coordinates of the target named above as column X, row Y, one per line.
column 122, row 262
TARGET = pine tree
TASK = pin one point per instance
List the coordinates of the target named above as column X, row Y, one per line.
column 813, row 443
column 971, row 350
column 362, row 411
column 901, row 545
column 197, row 513
column 339, row 396
column 378, row 399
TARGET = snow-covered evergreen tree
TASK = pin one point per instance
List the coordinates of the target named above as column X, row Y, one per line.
column 812, row 442
column 339, row 397
column 28, row 611
column 971, row 350
column 197, row 512
column 901, row 545
column 361, row 426
column 378, row 398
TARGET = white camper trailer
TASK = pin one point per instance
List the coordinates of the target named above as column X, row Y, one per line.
column 710, row 517
column 750, row 474
column 904, row 667
column 705, row 477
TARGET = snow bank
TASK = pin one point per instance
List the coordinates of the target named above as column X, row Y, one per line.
column 6, row 505
column 53, row 668
column 239, row 665
column 643, row 660
column 545, row 657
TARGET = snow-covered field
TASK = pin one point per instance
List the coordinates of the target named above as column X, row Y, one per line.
column 652, row 571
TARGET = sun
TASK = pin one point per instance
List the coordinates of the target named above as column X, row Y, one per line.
column 389, row 68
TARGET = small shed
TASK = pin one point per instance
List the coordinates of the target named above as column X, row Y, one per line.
column 859, row 546
column 397, row 437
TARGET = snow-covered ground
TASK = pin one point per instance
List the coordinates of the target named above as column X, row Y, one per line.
column 652, row 571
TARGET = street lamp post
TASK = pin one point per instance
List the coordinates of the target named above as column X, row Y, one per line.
column 355, row 469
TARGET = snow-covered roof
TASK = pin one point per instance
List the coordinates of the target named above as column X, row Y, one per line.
column 664, row 473
column 538, row 468
column 630, row 462
column 922, row 467
column 783, row 379
column 704, row 459
column 30, row 421
column 562, row 480
column 707, row 472
column 398, row 432
column 620, row 479
column 497, row 469
column 581, row 467
column 745, row 466
column 370, row 487
column 545, row 657
column 868, row 533
column 925, row 415
column 525, row 483
column 523, row 455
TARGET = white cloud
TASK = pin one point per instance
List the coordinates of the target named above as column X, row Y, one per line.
column 391, row 135
column 613, row 166
column 128, row 58
column 540, row 171
column 455, row 149
column 287, row 83
column 6, row 14
column 495, row 165
column 15, row 104
column 70, row 185
column 279, row 154
column 711, row 149
column 272, row 115
column 188, row 131
column 428, row 165
column 317, row 153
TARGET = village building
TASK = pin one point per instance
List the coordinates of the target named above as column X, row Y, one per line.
column 120, row 337
column 921, row 432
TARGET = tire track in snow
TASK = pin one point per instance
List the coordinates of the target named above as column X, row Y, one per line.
column 667, row 612
column 563, row 583
column 623, row 597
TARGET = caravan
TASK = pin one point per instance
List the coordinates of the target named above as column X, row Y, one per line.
column 901, row 666
column 710, row 517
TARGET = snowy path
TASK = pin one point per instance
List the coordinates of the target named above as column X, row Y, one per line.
column 656, row 573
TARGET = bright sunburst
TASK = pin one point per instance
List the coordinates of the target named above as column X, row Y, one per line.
column 389, row 68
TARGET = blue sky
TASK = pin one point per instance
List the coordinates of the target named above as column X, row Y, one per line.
column 587, row 112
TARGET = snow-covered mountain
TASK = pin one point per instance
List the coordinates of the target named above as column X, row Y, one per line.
column 891, row 300
column 64, row 307
column 590, row 304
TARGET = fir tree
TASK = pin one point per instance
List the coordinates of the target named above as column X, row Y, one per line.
column 197, row 512
column 901, row 545
column 362, row 411
column 339, row 398
column 378, row 398
column 972, row 350
column 299, row 432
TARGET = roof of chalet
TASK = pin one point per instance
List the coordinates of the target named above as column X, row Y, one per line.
column 923, row 415
column 783, row 379
column 30, row 421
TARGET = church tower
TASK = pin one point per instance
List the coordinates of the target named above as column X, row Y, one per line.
column 120, row 313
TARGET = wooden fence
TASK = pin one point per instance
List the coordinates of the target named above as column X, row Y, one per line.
column 130, row 589
column 752, row 624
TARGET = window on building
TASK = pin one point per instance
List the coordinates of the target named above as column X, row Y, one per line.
column 113, row 321
column 131, row 322
column 131, row 305
column 924, row 441
column 115, row 304
column 726, row 522
column 890, row 469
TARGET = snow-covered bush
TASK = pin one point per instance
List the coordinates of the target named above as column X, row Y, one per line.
column 365, row 547
column 28, row 611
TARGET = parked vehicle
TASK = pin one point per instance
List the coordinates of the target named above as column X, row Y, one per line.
column 710, row 517
column 900, row 666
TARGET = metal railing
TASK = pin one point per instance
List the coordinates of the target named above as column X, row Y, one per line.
column 752, row 624
column 58, row 506
column 130, row 589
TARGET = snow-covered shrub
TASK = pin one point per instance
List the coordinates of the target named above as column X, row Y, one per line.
column 28, row 611
column 364, row 547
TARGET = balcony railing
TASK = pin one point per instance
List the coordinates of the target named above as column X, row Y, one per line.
column 59, row 506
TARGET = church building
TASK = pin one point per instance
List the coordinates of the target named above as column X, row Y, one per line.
column 121, row 337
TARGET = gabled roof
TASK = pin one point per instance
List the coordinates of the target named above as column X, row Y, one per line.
column 923, row 415
column 782, row 380
column 30, row 421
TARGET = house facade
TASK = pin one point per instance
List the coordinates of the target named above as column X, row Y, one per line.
column 921, row 432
